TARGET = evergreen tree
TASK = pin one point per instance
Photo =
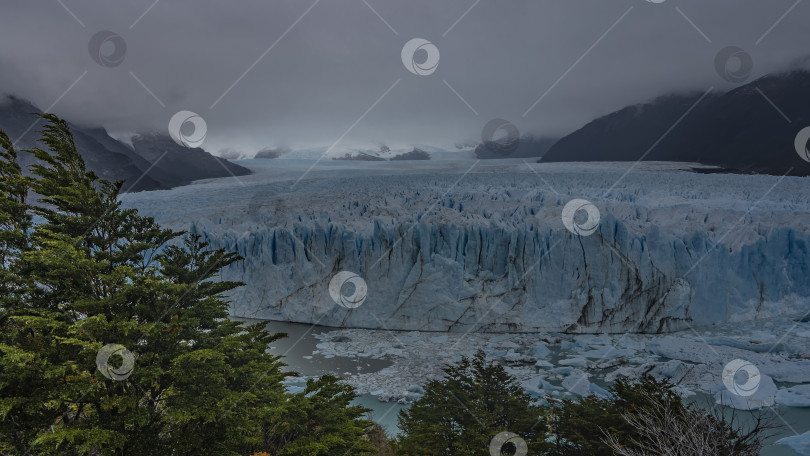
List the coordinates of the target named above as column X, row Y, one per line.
column 579, row 426
column 90, row 274
column 20, row 369
column 461, row 413
column 647, row 417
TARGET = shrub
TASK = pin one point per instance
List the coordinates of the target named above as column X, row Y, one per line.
column 461, row 413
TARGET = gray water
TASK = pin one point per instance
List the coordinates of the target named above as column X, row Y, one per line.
column 297, row 350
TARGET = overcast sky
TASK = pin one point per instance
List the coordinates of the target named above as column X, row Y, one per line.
column 325, row 64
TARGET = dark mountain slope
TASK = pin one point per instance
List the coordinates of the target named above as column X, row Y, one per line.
column 181, row 165
column 113, row 160
column 18, row 119
column 739, row 130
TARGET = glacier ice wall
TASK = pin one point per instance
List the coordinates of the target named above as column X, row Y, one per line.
column 487, row 251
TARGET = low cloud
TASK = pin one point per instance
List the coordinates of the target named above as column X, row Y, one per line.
column 293, row 73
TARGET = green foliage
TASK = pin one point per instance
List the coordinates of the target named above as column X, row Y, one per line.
column 579, row 426
column 646, row 418
column 381, row 441
column 461, row 413
column 90, row 274
column 667, row 428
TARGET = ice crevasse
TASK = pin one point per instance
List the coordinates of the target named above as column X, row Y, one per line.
column 490, row 253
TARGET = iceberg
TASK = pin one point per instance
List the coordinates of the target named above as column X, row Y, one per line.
column 795, row 396
column 798, row 443
column 764, row 396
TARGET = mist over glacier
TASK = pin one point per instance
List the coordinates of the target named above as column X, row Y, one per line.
column 480, row 246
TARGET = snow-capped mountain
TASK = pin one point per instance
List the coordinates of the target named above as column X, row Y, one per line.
column 481, row 245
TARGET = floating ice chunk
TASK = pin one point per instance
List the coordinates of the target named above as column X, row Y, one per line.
column 548, row 386
column 438, row 339
column 541, row 351
column 563, row 370
column 607, row 353
column 623, row 372
column 409, row 337
column 696, row 351
column 672, row 369
column 598, row 390
column 577, row 383
column 501, row 338
column 595, row 341
column 513, row 357
column 416, row 389
column 765, row 396
column 795, row 396
column 576, row 346
column 761, row 347
column 542, row 364
column 798, row 443
column 575, row 362
column 534, row 386
column 494, row 353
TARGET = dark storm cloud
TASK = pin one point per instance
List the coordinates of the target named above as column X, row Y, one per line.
column 329, row 68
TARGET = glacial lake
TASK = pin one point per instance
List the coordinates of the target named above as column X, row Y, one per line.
column 297, row 349
column 301, row 354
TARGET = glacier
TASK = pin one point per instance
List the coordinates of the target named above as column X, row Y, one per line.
column 480, row 246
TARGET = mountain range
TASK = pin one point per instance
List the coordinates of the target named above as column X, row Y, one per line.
column 750, row 129
column 153, row 161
